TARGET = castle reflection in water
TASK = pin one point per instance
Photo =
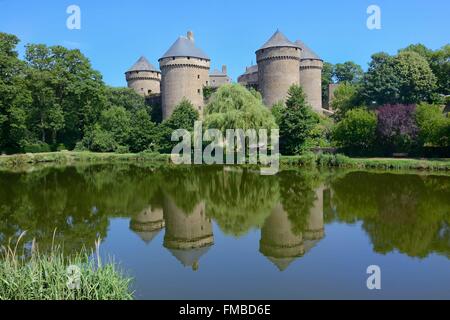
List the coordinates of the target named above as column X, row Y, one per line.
column 189, row 234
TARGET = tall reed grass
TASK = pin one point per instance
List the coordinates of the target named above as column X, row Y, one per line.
column 54, row 276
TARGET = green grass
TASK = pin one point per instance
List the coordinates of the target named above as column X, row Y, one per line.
column 44, row 276
column 308, row 159
column 71, row 157
column 341, row 161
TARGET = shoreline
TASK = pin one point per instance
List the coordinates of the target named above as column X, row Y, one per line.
column 18, row 161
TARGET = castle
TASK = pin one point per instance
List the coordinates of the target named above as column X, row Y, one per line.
column 184, row 71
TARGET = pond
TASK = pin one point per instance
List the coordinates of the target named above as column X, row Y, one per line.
column 230, row 233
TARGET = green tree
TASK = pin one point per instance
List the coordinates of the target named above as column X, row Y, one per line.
column 348, row 72
column 63, row 80
column 297, row 122
column 346, row 98
column 143, row 135
column 357, row 131
column 15, row 98
column 327, row 79
column 417, row 81
column 439, row 61
column 116, row 121
column 406, row 78
column 183, row 117
column 434, row 126
column 234, row 107
column 381, row 82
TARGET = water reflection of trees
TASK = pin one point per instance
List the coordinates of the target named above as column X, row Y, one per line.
column 408, row 213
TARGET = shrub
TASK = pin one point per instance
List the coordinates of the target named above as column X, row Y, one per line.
column 122, row 149
column 37, row 147
column 357, row 131
column 434, row 126
column 397, row 127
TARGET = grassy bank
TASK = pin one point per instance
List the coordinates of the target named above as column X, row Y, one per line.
column 341, row 161
column 47, row 277
column 70, row 157
column 310, row 159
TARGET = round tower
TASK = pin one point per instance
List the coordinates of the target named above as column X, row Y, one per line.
column 311, row 76
column 144, row 78
column 185, row 71
column 278, row 68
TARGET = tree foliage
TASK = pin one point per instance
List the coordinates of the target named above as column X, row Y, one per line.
column 357, row 130
column 296, row 123
column 234, row 107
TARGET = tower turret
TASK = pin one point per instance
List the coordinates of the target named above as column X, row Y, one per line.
column 185, row 71
column 278, row 68
column 311, row 66
column 144, row 78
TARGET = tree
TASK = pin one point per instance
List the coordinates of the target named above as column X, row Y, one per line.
column 348, row 72
column 143, row 134
column 234, row 107
column 397, row 127
column 327, row 79
column 417, row 81
column 357, row 131
column 183, row 117
column 405, row 78
column 434, row 126
column 63, row 80
column 116, row 121
column 439, row 62
column 381, row 82
column 346, row 98
column 297, row 122
column 15, row 97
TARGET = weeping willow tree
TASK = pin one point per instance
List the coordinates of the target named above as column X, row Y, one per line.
column 234, row 107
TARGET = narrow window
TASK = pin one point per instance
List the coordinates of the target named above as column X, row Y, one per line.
column 198, row 90
column 198, row 77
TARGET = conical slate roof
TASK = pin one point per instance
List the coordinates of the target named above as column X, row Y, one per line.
column 307, row 53
column 278, row 39
column 184, row 47
column 142, row 65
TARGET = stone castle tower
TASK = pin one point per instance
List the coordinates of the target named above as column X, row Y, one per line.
column 282, row 63
column 144, row 78
column 185, row 70
column 311, row 76
column 278, row 68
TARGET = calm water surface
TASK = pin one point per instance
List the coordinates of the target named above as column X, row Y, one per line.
column 224, row 233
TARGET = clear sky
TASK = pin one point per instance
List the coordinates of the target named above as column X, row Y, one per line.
column 114, row 34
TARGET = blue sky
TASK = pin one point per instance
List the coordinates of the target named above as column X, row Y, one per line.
column 115, row 33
